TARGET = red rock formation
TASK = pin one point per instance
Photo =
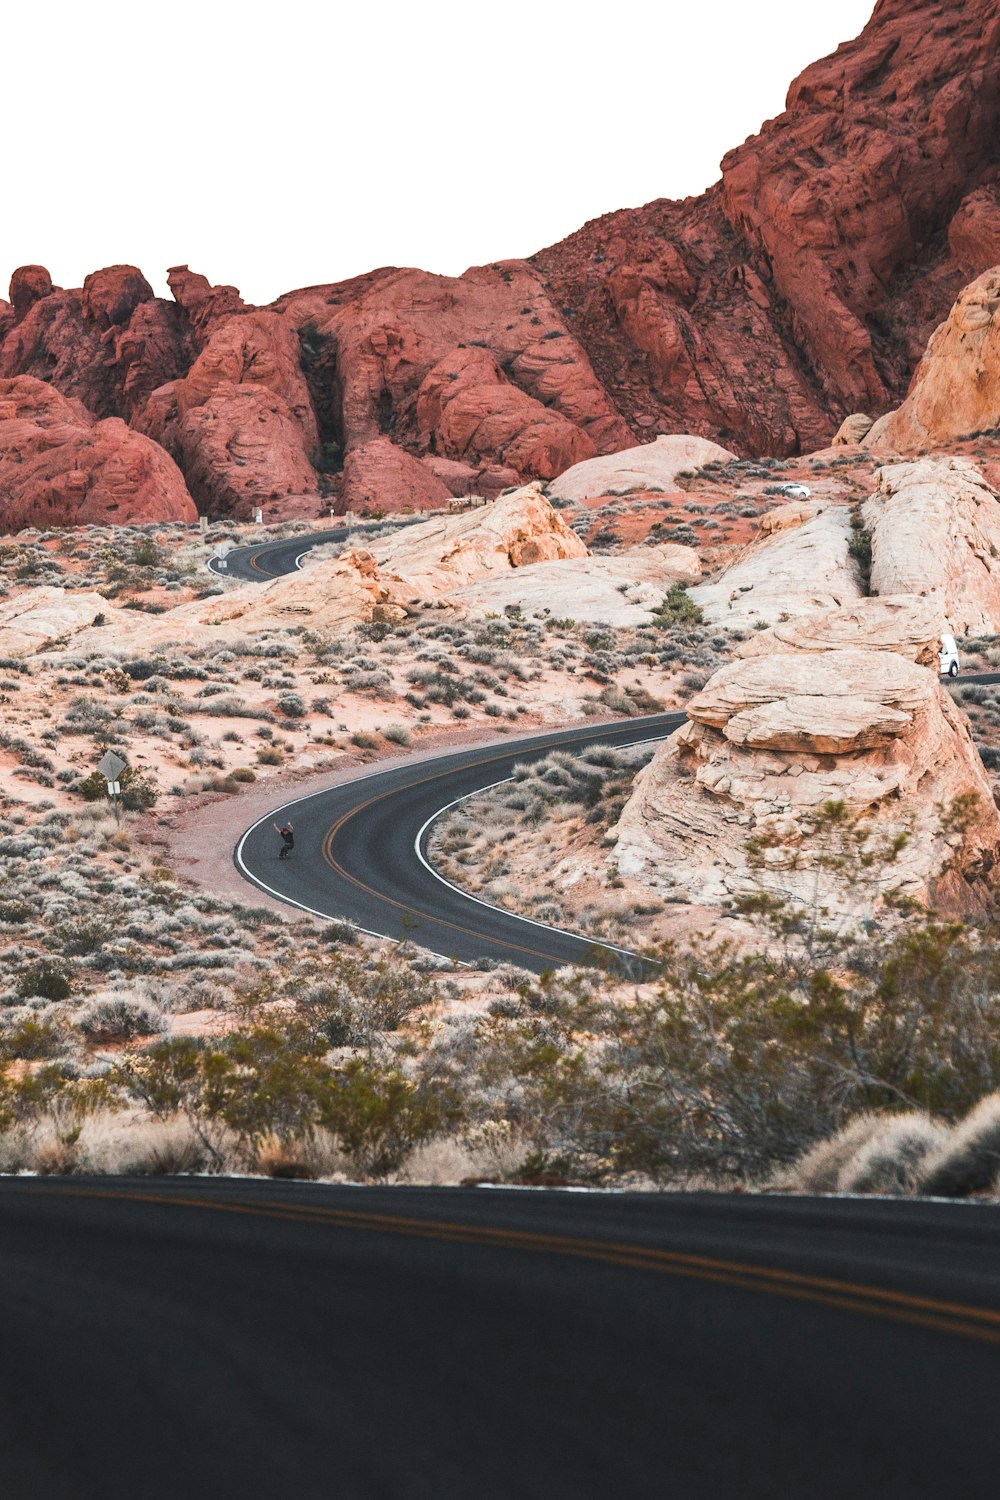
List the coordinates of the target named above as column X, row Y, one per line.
column 801, row 288
column 206, row 306
column 806, row 286
column 240, row 423
column 58, row 466
column 377, row 469
column 28, row 285
column 974, row 232
column 109, row 344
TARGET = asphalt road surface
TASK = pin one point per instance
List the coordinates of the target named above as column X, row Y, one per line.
column 264, row 561
column 360, row 853
column 267, row 560
column 253, row 1339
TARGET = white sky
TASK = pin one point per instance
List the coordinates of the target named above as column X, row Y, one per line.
column 277, row 145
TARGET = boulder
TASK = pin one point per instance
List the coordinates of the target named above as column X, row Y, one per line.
column 935, row 531
column 28, row 285
column 39, row 618
column 653, row 466
column 733, row 805
column 431, row 561
column 852, row 430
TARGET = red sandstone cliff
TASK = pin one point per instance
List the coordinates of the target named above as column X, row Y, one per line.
column 801, row 287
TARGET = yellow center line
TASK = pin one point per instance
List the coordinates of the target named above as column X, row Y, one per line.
column 474, row 932
column 961, row 1319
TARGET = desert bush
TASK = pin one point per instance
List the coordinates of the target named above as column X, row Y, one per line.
column 119, row 1017
column 968, row 1161
column 819, row 1169
column 46, row 980
column 889, row 1162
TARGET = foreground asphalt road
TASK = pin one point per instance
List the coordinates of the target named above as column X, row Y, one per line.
column 360, row 852
column 254, row 1339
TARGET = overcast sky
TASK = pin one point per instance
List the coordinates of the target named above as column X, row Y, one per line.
column 278, row 145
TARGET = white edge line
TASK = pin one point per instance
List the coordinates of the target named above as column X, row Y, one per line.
column 503, row 910
column 275, row 812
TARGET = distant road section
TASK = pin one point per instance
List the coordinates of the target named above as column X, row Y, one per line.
column 279, row 1341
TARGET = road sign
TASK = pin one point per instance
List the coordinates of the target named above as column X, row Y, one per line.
column 111, row 765
column 114, row 788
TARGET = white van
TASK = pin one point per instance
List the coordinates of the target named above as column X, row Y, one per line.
column 949, row 656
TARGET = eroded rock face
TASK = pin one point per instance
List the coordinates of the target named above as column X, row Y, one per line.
column 935, row 530
column 798, row 565
column 380, row 468
column 28, row 285
column 35, row 620
column 240, row 423
column 726, row 807
column 626, row 589
column 59, row 466
column 653, row 466
column 434, row 559
column 956, row 389
column 109, row 344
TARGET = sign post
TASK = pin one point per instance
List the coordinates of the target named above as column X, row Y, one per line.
column 111, row 767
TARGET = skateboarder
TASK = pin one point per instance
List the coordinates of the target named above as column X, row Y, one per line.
column 287, row 840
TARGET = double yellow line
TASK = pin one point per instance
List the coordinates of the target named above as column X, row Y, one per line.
column 959, row 1319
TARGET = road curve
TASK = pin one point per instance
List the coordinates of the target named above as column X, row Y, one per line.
column 266, row 560
column 361, row 852
column 361, row 848
column 212, row 1338
column 263, row 561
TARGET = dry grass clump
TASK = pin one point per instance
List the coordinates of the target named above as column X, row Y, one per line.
column 891, row 1159
column 904, row 1154
column 819, row 1169
column 968, row 1161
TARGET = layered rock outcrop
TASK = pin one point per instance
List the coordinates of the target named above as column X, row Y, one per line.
column 60, row 466
column 935, row 531
column 956, row 389
column 799, row 564
column 653, row 466
column 626, row 589
column 734, row 802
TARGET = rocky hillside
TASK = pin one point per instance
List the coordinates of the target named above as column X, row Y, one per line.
column 802, row 287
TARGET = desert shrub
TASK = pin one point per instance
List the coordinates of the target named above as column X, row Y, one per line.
column 292, row 705
column 397, row 734
column 889, row 1162
column 29, row 1040
column 117, row 1018
column 46, row 980
column 678, row 608
column 969, row 1160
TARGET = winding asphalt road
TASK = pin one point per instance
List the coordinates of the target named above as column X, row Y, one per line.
column 361, row 853
column 361, row 848
column 281, row 1341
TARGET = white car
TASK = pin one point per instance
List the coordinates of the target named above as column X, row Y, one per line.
column 949, row 656
column 796, row 491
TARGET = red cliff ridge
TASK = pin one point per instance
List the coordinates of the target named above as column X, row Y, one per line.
column 802, row 287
